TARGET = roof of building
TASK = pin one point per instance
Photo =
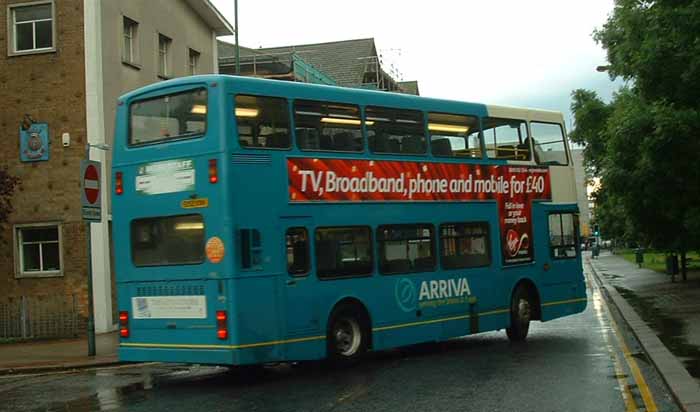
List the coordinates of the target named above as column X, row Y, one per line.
column 213, row 17
column 344, row 61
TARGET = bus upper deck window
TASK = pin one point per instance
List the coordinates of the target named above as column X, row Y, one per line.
column 454, row 135
column 263, row 122
column 175, row 116
column 549, row 144
column 506, row 139
column 395, row 131
column 328, row 126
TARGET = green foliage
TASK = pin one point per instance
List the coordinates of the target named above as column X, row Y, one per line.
column 590, row 115
column 8, row 184
column 655, row 43
column 645, row 144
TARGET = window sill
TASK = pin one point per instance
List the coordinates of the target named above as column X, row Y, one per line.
column 35, row 275
column 133, row 65
column 31, row 52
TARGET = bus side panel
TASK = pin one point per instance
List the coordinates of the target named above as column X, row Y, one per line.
column 257, row 319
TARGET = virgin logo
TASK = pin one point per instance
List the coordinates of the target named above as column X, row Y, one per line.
column 515, row 242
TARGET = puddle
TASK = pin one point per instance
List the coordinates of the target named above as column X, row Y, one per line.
column 670, row 331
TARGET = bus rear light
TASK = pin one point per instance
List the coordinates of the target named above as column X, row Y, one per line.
column 124, row 324
column 119, row 183
column 221, row 327
column 213, row 171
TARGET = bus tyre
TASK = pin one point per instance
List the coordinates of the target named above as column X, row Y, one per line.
column 520, row 315
column 347, row 335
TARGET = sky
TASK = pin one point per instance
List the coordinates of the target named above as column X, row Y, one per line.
column 509, row 52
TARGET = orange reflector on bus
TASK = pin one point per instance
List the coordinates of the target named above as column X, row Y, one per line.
column 215, row 249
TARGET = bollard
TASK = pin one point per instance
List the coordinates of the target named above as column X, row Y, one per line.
column 639, row 256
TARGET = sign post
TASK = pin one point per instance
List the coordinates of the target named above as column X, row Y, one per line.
column 91, row 207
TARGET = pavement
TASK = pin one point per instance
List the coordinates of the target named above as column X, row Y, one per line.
column 58, row 355
column 663, row 316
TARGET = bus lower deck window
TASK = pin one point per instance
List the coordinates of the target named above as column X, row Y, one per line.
column 405, row 248
column 297, row 245
column 343, row 251
column 465, row 245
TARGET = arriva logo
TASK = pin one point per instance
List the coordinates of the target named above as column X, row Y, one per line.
column 432, row 293
column 444, row 289
column 405, row 293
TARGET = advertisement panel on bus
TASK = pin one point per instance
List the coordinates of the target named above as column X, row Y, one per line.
column 514, row 188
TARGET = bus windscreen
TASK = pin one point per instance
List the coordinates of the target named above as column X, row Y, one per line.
column 171, row 117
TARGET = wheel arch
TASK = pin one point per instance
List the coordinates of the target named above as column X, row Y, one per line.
column 362, row 310
column 533, row 293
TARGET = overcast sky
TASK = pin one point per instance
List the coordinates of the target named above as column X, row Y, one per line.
column 511, row 52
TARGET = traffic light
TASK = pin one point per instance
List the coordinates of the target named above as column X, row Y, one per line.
column 596, row 230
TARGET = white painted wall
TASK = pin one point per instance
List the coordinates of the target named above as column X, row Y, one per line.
column 94, row 98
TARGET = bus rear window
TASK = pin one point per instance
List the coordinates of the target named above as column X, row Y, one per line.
column 169, row 240
column 172, row 117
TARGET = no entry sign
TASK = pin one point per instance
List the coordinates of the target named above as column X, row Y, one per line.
column 90, row 190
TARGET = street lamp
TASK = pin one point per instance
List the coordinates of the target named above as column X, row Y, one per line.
column 238, row 49
column 603, row 68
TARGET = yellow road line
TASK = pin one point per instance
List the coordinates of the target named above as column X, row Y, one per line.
column 644, row 391
column 636, row 373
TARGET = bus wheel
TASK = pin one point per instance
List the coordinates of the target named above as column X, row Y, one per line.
column 347, row 336
column 520, row 315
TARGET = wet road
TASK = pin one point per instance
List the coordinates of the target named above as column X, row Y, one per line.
column 587, row 362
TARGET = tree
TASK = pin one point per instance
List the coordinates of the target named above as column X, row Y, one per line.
column 8, row 184
column 645, row 144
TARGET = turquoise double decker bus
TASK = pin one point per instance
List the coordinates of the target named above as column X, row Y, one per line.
column 260, row 221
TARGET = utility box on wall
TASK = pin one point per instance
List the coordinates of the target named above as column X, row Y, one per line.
column 34, row 142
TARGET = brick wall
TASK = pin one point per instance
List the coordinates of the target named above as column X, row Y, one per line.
column 51, row 88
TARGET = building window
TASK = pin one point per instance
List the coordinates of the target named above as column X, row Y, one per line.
column 164, row 43
column 38, row 250
column 32, row 28
column 130, row 41
column 193, row 62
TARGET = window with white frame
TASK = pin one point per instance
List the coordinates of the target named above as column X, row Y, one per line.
column 38, row 250
column 31, row 27
column 193, row 61
column 163, row 55
column 130, row 41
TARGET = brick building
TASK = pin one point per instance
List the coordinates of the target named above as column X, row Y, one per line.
column 63, row 63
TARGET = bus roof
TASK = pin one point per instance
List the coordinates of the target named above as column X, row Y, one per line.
column 404, row 100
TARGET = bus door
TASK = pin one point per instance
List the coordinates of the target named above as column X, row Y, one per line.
column 562, row 260
column 299, row 285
